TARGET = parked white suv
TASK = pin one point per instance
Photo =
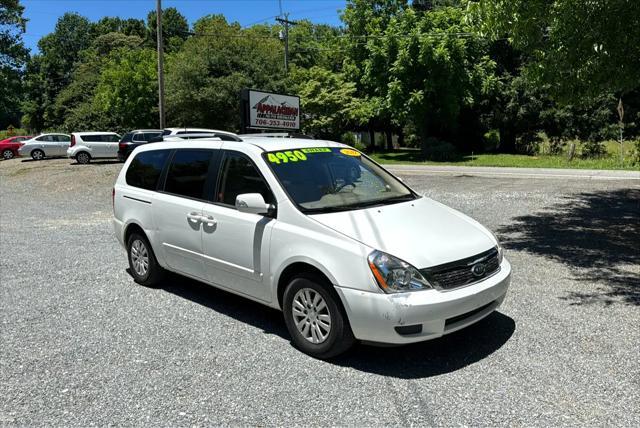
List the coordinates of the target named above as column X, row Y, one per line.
column 314, row 228
column 45, row 145
column 93, row 145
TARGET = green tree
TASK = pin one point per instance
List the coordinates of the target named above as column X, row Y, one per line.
column 60, row 54
column 127, row 91
column 327, row 100
column 436, row 70
column 175, row 29
column 13, row 56
column 205, row 77
column 579, row 49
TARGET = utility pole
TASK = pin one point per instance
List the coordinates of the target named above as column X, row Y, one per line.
column 160, row 62
column 285, row 21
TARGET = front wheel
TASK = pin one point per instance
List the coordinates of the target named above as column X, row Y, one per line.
column 8, row 154
column 317, row 324
column 37, row 154
column 142, row 262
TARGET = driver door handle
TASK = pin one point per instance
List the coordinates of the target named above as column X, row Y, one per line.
column 194, row 217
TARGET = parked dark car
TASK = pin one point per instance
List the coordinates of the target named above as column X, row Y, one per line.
column 136, row 138
column 133, row 139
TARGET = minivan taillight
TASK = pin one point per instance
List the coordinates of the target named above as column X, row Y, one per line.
column 73, row 140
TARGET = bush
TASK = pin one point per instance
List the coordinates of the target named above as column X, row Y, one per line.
column 528, row 143
column 491, row 140
column 348, row 138
column 592, row 149
column 437, row 150
column 556, row 146
column 635, row 155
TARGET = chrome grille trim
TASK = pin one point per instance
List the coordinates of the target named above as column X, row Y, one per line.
column 454, row 275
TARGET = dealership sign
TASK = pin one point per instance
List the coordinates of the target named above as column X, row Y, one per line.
column 271, row 111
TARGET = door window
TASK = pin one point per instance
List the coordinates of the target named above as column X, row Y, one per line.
column 62, row 138
column 45, row 138
column 187, row 173
column 239, row 176
column 146, row 168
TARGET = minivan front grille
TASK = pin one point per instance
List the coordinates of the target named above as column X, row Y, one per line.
column 463, row 272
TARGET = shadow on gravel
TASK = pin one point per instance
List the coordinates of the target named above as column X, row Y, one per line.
column 434, row 357
column 98, row 162
column 595, row 233
column 425, row 359
column 247, row 311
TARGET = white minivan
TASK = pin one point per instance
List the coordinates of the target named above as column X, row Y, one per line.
column 93, row 145
column 314, row 228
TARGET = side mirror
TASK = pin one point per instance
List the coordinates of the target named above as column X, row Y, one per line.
column 252, row 203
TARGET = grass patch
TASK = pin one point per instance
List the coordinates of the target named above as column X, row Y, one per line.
column 414, row 156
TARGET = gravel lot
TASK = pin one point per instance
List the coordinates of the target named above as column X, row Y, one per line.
column 82, row 345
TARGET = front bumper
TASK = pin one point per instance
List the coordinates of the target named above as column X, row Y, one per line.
column 375, row 316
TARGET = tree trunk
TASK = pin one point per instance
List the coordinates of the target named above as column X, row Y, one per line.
column 389, row 139
column 372, row 138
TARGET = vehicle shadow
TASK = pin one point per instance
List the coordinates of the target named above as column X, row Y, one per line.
column 434, row 357
column 595, row 233
column 439, row 356
column 240, row 308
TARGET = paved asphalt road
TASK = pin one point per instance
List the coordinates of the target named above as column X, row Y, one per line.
column 82, row 345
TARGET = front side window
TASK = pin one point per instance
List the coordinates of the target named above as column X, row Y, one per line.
column 326, row 179
column 145, row 169
column 239, row 176
column 187, row 173
column 62, row 138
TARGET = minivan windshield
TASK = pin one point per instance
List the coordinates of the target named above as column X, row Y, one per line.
column 328, row 179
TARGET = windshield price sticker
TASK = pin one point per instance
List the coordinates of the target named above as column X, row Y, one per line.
column 350, row 152
column 287, row 156
column 317, row 150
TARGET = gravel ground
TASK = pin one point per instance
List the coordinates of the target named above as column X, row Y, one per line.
column 82, row 345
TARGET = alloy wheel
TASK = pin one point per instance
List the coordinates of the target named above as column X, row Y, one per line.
column 311, row 315
column 7, row 154
column 140, row 257
column 37, row 154
column 82, row 158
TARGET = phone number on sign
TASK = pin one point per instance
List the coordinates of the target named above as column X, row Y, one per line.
column 275, row 123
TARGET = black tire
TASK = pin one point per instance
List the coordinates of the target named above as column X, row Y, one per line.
column 340, row 337
column 8, row 154
column 37, row 154
column 154, row 272
column 83, row 158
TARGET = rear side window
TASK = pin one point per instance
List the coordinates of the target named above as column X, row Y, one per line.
column 187, row 173
column 145, row 169
column 126, row 138
column 62, row 138
column 110, row 138
column 239, row 176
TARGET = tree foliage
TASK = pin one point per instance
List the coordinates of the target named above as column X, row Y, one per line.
column 12, row 58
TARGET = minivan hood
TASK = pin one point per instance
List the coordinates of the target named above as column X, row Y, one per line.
column 422, row 232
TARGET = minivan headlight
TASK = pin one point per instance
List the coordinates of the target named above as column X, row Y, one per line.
column 498, row 247
column 394, row 275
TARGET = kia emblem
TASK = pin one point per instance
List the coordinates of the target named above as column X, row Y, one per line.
column 479, row 269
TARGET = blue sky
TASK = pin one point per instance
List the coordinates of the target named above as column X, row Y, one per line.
column 43, row 14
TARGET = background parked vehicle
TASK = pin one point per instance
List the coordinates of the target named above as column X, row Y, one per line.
column 136, row 138
column 46, row 145
column 93, row 145
column 133, row 139
column 9, row 146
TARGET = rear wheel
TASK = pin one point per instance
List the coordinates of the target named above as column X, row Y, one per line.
column 316, row 321
column 37, row 154
column 8, row 154
column 142, row 262
column 83, row 158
